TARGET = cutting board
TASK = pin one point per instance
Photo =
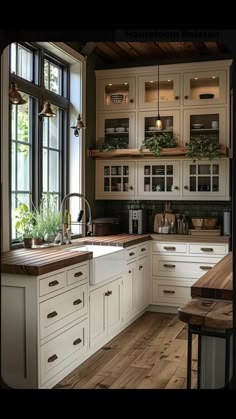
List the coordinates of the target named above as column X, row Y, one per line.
column 158, row 220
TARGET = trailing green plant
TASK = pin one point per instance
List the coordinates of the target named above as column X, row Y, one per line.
column 25, row 222
column 113, row 143
column 202, row 146
column 158, row 141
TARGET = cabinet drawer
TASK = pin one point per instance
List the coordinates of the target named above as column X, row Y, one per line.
column 142, row 250
column 77, row 274
column 172, row 294
column 51, row 283
column 169, row 247
column 131, row 253
column 63, row 309
column 175, row 269
column 61, row 351
column 208, row 249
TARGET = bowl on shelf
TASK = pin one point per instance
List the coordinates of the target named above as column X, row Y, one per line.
column 108, row 130
column 210, row 223
column 197, row 126
column 120, row 129
column 206, row 96
column 198, row 223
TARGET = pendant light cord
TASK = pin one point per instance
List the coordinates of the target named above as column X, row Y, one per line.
column 158, row 116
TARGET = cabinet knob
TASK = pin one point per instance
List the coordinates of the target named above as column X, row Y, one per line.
column 107, row 294
column 176, row 97
column 185, row 97
column 131, row 100
column 176, row 188
column 130, row 271
column 131, row 188
column 143, row 249
column 140, row 267
column 131, row 254
column 185, row 187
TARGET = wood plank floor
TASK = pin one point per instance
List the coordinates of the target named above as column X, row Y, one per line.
column 148, row 354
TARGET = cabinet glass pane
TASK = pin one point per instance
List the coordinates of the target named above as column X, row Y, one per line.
column 106, row 170
column 192, row 169
column 117, row 132
column 166, row 91
column 215, row 184
column 116, row 184
column 207, row 125
column 205, row 88
column 146, row 170
column 125, row 184
column 193, row 184
column 158, row 170
column 106, row 184
column 125, row 170
column 215, row 169
column 169, row 184
column 158, row 184
column 204, row 184
column 169, row 170
column 116, row 93
column 204, row 169
column 147, row 185
column 150, row 125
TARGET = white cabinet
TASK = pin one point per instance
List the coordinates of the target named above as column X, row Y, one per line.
column 176, row 266
column 116, row 93
column 157, row 178
column 118, row 127
column 44, row 326
column 115, row 178
column 171, row 124
column 105, row 311
column 169, row 90
column 205, row 87
column 206, row 179
column 211, row 122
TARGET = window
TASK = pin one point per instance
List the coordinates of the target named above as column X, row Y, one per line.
column 38, row 145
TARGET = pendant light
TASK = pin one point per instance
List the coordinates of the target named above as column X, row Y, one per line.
column 158, row 121
column 79, row 125
column 15, row 97
column 47, row 111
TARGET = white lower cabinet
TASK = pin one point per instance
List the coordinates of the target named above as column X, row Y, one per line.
column 105, row 311
column 44, row 326
column 176, row 266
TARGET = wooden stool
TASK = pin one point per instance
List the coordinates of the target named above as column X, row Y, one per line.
column 207, row 318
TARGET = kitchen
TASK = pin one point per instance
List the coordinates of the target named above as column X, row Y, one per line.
column 106, row 205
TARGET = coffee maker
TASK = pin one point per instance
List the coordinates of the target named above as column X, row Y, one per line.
column 137, row 221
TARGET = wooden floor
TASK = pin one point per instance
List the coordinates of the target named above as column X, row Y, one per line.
column 148, row 354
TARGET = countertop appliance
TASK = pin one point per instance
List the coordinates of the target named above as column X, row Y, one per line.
column 137, row 221
column 106, row 226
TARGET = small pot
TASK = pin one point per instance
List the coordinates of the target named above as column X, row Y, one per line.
column 27, row 243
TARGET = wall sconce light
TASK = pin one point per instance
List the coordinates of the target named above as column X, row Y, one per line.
column 79, row 125
column 158, row 120
column 47, row 111
column 15, row 97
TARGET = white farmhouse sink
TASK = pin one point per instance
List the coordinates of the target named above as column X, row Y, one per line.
column 107, row 261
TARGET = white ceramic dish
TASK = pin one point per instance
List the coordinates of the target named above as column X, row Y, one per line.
column 120, row 129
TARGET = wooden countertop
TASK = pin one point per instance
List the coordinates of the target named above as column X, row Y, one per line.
column 41, row 261
column 217, row 283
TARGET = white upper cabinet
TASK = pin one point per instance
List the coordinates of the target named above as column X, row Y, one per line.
column 118, row 127
column 169, row 90
column 116, row 94
column 205, row 87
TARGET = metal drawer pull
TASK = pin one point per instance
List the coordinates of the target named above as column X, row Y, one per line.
column 52, row 314
column 78, row 274
column 131, row 254
column 109, row 292
column 168, row 292
column 168, row 265
column 169, row 248
column 76, row 302
column 77, row 341
column 53, row 283
column 207, row 249
column 143, row 249
column 52, row 358
column 205, row 268
column 140, row 267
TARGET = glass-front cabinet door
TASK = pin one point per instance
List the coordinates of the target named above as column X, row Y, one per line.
column 116, row 94
column 158, row 179
column 205, row 88
column 117, row 129
column 205, row 178
column 147, row 124
column 208, row 122
column 169, row 90
column 114, row 179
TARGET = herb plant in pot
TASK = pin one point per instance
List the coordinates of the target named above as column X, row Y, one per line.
column 25, row 224
column 202, row 146
column 158, row 141
column 47, row 218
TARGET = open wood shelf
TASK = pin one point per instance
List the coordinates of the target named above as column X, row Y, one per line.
column 135, row 152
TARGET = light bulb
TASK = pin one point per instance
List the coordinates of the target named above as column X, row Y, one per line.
column 158, row 123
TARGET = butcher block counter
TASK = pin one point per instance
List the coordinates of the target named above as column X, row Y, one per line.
column 39, row 261
column 217, row 283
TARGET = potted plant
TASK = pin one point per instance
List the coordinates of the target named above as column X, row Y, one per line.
column 202, row 146
column 113, row 143
column 47, row 218
column 158, row 141
column 25, row 224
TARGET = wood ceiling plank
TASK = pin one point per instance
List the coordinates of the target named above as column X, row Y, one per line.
column 127, row 47
column 88, row 48
column 108, row 50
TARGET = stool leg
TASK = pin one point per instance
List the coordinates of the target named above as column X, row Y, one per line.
column 199, row 360
column 227, row 359
column 189, row 358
